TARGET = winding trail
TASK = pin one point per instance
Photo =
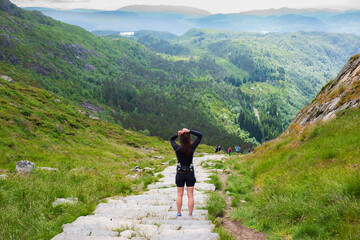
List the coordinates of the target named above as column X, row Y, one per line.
column 151, row 215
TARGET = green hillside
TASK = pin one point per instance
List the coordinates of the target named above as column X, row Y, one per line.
column 306, row 184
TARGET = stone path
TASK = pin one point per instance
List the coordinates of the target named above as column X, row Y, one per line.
column 151, row 215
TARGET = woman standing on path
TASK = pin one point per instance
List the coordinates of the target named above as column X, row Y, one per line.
column 185, row 170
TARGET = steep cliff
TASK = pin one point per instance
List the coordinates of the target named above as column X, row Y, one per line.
column 341, row 93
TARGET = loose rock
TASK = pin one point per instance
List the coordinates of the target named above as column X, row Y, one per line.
column 24, row 166
column 159, row 157
column 138, row 169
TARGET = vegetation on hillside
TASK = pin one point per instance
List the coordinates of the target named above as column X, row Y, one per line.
column 281, row 72
column 302, row 185
column 144, row 90
column 204, row 74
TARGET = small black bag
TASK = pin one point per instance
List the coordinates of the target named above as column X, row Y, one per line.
column 185, row 168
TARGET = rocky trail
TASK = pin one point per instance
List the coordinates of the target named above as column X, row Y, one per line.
column 151, row 215
column 237, row 230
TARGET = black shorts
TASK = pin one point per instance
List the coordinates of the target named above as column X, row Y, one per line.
column 185, row 177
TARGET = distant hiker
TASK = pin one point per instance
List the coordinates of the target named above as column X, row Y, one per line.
column 216, row 149
column 185, row 169
column 219, row 149
column 229, row 151
column 237, row 148
column 249, row 150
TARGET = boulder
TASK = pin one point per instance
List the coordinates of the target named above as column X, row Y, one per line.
column 48, row 169
column 138, row 169
column 159, row 157
column 59, row 201
column 24, row 166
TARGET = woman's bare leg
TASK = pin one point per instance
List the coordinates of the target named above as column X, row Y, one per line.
column 180, row 194
column 190, row 194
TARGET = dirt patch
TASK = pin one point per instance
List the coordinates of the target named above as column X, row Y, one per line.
column 239, row 231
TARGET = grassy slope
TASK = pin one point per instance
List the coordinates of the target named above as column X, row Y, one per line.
column 305, row 186
column 93, row 157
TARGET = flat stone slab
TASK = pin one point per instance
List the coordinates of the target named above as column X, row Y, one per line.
column 151, row 215
column 188, row 236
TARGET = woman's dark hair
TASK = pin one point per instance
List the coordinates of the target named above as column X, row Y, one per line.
column 185, row 144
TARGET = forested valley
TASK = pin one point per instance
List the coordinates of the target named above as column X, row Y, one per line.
column 237, row 88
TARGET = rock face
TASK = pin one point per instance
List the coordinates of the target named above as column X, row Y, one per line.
column 93, row 108
column 341, row 93
column 151, row 215
column 24, row 166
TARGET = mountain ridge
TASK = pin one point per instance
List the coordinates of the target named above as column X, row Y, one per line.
column 177, row 21
column 166, row 8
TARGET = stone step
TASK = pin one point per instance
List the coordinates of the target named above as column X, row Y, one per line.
column 178, row 221
column 183, row 227
column 67, row 237
column 187, row 236
column 149, row 216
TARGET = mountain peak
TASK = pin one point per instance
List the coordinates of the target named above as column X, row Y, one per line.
column 166, row 8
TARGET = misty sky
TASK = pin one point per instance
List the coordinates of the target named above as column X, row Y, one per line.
column 224, row 6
